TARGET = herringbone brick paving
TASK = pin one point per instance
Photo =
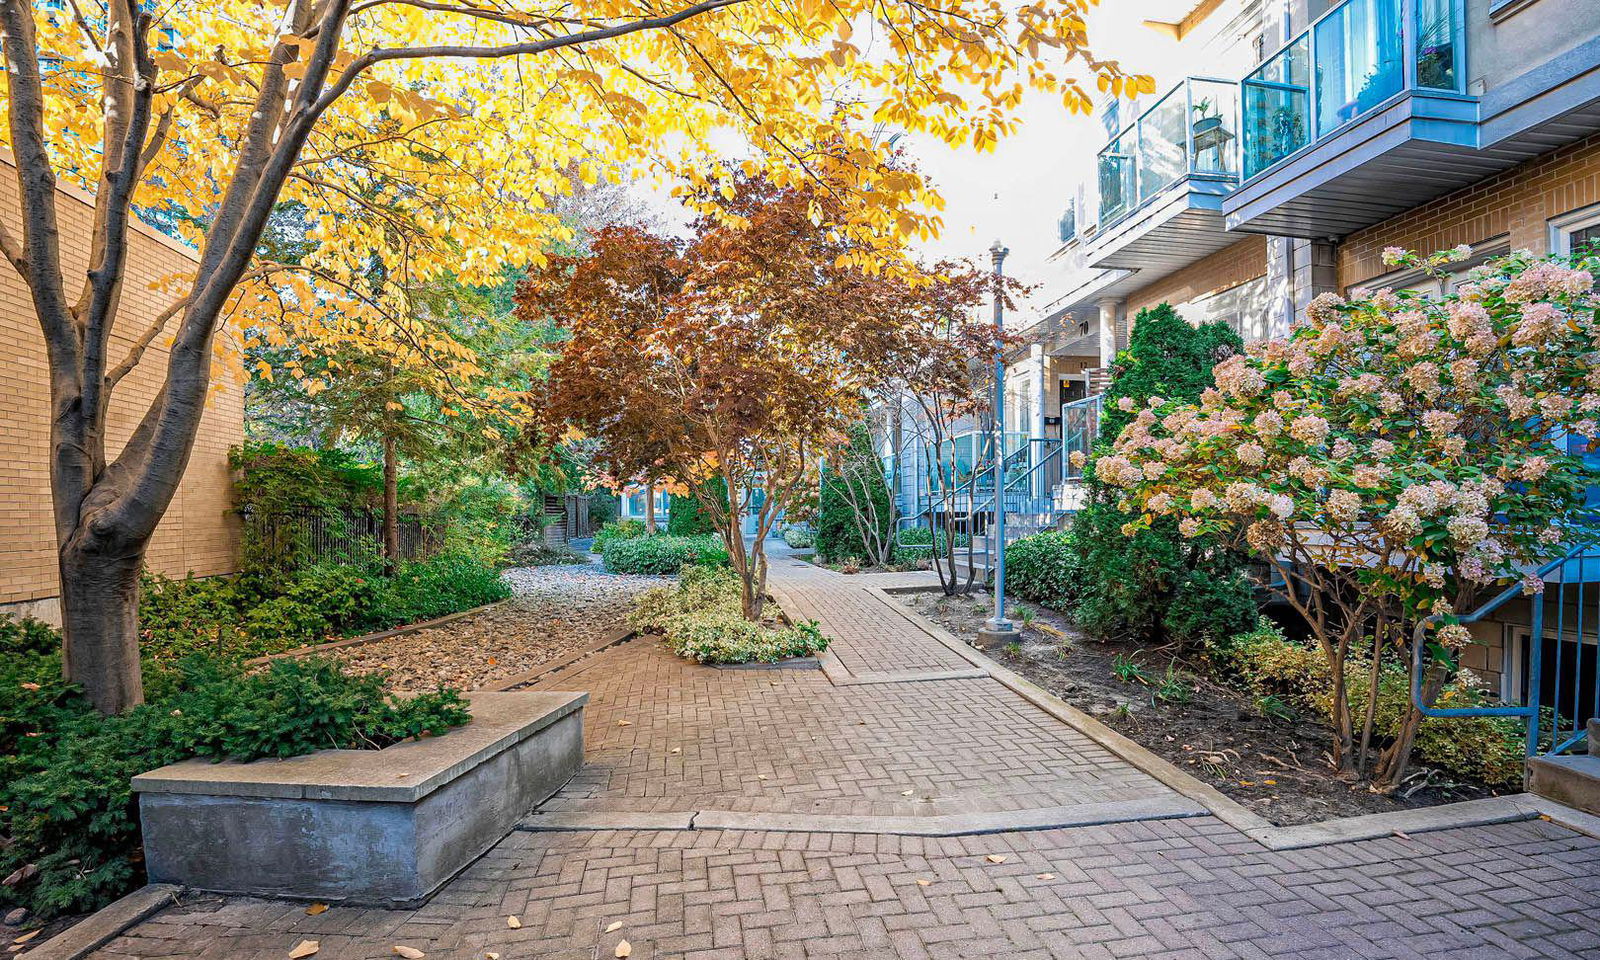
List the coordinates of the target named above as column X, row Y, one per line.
column 1190, row 888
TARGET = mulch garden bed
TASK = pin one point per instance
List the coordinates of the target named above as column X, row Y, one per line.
column 555, row 612
column 1276, row 766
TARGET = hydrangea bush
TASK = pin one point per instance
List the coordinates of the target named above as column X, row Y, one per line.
column 1393, row 458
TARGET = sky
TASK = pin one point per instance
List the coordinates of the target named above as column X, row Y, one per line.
column 1016, row 193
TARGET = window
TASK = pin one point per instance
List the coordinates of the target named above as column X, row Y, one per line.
column 1421, row 281
column 1578, row 230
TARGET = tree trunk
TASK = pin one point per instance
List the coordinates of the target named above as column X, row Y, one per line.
column 1343, row 732
column 649, row 508
column 755, row 580
column 391, row 507
column 100, row 624
column 1393, row 762
column 1374, row 677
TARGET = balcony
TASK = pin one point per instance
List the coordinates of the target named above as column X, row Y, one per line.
column 1162, row 180
column 1358, row 118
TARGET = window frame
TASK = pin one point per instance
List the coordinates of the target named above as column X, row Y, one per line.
column 1564, row 226
column 1482, row 251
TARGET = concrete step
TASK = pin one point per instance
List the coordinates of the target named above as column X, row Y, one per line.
column 1594, row 737
column 1572, row 780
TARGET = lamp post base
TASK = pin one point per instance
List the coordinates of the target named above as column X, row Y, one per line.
column 997, row 633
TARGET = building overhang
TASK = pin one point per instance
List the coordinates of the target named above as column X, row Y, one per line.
column 1173, row 229
column 1418, row 146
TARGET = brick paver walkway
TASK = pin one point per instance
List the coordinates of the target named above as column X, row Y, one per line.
column 798, row 742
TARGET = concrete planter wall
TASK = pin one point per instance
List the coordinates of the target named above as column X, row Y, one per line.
column 384, row 827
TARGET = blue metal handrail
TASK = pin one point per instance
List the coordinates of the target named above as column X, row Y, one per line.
column 1529, row 710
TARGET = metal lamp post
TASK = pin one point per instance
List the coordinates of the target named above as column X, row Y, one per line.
column 998, row 630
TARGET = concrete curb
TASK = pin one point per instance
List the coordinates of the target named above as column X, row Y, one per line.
column 367, row 638
column 106, row 924
column 1469, row 813
column 613, row 639
column 931, row 825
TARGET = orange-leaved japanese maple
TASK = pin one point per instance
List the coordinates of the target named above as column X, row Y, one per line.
column 743, row 353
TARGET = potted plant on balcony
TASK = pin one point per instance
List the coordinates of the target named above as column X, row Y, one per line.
column 1206, row 118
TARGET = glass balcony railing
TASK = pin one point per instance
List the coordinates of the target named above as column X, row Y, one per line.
column 1353, row 58
column 1190, row 130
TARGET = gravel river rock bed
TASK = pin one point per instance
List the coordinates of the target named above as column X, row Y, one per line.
column 554, row 611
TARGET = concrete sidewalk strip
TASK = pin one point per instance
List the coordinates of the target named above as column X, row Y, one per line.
column 931, row 825
column 107, row 923
column 573, row 820
column 908, row 676
column 958, row 825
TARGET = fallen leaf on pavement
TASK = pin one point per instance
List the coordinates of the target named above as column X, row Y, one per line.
column 924, row 883
column 1047, row 876
column 1402, row 835
column 26, row 936
column 996, row 858
column 316, row 908
column 304, row 948
column 624, row 723
column 624, row 949
column 514, row 923
column 410, row 953
column 614, row 927
column 491, row 956
column 907, row 793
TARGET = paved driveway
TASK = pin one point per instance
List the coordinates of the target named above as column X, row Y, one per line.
column 792, row 794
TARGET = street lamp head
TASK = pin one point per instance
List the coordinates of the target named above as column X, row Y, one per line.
column 998, row 252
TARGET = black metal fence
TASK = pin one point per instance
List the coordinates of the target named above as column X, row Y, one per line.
column 310, row 536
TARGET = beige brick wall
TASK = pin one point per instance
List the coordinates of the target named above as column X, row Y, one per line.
column 1227, row 268
column 1515, row 205
column 198, row 533
column 1238, row 271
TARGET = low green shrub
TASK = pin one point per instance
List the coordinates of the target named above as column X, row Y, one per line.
column 433, row 587
column 915, row 544
column 1044, row 569
column 663, row 554
column 1209, row 604
column 701, row 618
column 1489, row 750
column 65, row 801
column 254, row 615
column 799, row 537
column 619, row 530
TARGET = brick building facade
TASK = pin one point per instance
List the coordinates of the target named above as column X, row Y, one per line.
column 198, row 534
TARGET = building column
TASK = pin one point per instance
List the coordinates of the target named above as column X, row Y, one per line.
column 1110, row 310
column 1041, row 387
column 1297, row 271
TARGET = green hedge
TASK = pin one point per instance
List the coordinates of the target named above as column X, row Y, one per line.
column 687, row 518
column 663, row 554
column 253, row 615
column 1045, row 569
column 619, row 530
column 915, row 544
column 65, row 800
column 702, row 620
column 838, row 536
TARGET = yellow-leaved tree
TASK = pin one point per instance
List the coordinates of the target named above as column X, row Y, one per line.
column 416, row 139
